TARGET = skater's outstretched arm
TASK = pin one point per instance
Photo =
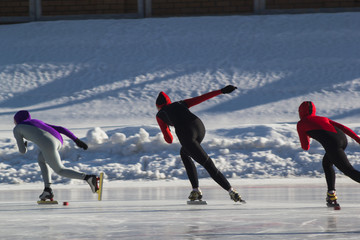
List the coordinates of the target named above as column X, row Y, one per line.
column 64, row 131
column 346, row 130
column 70, row 135
column 199, row 99
column 165, row 130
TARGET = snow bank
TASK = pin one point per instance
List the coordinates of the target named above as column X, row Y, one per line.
column 264, row 151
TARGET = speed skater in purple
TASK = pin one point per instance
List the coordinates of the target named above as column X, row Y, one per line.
column 49, row 141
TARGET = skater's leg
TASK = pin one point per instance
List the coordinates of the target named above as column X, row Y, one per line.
column 216, row 174
column 340, row 160
column 190, row 138
column 329, row 172
column 199, row 155
column 190, row 169
column 54, row 161
column 45, row 171
column 52, row 158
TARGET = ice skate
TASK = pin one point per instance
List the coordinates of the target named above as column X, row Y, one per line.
column 92, row 180
column 47, row 194
column 47, row 197
column 331, row 200
column 236, row 197
column 195, row 197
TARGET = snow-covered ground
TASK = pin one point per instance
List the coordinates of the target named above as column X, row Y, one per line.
column 100, row 78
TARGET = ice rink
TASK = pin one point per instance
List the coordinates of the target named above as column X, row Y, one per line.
column 275, row 209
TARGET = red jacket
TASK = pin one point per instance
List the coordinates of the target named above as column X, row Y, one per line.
column 309, row 121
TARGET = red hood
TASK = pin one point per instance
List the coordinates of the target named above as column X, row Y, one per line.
column 307, row 108
column 162, row 100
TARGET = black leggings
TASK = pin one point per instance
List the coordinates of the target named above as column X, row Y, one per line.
column 190, row 137
column 335, row 144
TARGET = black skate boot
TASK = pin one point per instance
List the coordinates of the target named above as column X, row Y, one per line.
column 92, row 180
column 195, row 195
column 235, row 196
column 47, row 194
column 331, row 199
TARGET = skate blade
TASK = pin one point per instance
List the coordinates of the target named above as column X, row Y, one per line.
column 335, row 207
column 100, row 186
column 47, row 202
column 197, row 202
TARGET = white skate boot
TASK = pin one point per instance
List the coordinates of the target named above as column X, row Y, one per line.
column 47, row 194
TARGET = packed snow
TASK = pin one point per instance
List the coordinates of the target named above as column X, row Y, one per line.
column 100, row 79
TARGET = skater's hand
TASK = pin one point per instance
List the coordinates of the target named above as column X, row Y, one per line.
column 81, row 144
column 25, row 143
column 228, row 89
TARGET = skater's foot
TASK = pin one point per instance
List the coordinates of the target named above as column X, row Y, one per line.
column 92, row 181
column 47, row 194
column 331, row 199
column 235, row 196
column 195, row 194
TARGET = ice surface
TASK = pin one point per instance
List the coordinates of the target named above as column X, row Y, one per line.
column 277, row 209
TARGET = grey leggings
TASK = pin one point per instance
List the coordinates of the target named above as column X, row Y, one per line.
column 49, row 152
column 50, row 157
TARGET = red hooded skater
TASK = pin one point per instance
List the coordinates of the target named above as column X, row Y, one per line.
column 331, row 136
column 191, row 131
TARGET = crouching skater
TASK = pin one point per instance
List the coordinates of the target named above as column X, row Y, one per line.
column 49, row 140
column 191, row 131
column 330, row 135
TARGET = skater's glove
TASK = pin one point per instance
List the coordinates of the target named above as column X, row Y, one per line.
column 81, row 144
column 25, row 143
column 228, row 89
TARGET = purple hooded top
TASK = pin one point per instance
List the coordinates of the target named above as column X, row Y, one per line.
column 23, row 117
